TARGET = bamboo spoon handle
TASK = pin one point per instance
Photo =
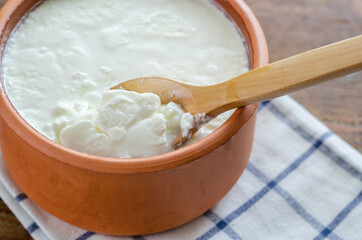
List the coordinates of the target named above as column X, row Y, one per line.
column 282, row 77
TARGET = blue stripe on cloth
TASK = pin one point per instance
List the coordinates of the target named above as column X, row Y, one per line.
column 341, row 162
column 291, row 202
column 263, row 105
column 21, row 197
column 222, row 225
column 324, row 149
column 340, row 217
column 271, row 184
column 302, row 158
column 301, row 131
column 85, row 236
column 32, row 228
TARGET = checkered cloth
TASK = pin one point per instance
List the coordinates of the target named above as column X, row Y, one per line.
column 302, row 182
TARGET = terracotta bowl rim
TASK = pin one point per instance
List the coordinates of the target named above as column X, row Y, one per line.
column 139, row 165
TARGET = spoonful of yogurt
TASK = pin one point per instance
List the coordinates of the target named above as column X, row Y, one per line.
column 268, row 82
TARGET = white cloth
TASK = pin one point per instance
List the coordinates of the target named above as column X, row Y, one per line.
column 302, row 182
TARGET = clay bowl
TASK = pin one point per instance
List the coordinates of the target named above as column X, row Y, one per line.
column 129, row 196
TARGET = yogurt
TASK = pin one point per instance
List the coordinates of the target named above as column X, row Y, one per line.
column 128, row 124
column 64, row 56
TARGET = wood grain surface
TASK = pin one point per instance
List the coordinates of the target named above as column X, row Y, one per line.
column 291, row 27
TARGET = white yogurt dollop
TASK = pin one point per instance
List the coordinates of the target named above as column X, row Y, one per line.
column 129, row 124
column 66, row 53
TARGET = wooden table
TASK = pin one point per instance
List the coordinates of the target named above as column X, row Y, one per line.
column 291, row 27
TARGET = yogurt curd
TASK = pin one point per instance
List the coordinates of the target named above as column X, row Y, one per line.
column 128, row 124
column 64, row 56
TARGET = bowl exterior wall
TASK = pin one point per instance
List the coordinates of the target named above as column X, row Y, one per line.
column 126, row 204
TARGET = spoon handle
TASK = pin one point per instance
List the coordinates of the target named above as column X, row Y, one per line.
column 285, row 76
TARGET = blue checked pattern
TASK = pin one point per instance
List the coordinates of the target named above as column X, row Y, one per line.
column 264, row 186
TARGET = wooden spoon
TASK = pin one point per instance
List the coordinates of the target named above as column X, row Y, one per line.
column 271, row 81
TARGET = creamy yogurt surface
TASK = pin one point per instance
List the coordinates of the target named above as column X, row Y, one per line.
column 64, row 56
